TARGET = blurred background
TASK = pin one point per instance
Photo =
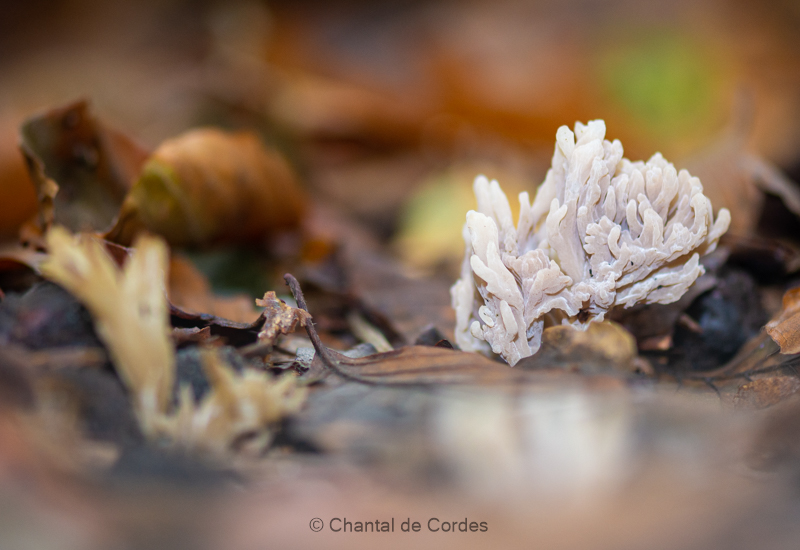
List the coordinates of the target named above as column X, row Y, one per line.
column 387, row 111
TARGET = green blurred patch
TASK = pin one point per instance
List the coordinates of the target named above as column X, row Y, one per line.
column 671, row 84
column 234, row 270
column 430, row 234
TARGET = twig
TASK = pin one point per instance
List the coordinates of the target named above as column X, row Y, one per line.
column 319, row 347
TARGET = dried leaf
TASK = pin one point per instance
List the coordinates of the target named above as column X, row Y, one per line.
column 785, row 328
column 280, row 318
column 434, row 366
column 81, row 169
column 191, row 335
column 421, row 365
column 236, row 334
column 19, row 198
column 190, row 290
column 129, row 309
column 209, row 186
column 765, row 392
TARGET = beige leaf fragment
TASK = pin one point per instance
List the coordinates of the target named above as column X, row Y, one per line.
column 785, row 328
column 129, row 309
column 280, row 317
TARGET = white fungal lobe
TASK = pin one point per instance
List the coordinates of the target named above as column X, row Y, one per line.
column 602, row 231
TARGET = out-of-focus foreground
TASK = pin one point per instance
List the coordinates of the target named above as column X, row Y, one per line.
column 207, row 148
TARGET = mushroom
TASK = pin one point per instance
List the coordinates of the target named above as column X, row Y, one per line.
column 602, row 231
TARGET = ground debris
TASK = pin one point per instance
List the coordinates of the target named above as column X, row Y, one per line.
column 785, row 328
column 129, row 308
column 279, row 318
column 765, row 392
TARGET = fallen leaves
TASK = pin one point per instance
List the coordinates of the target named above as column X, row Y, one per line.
column 440, row 365
column 369, row 117
column 207, row 186
column 765, row 392
column 81, row 169
column 785, row 329
column 202, row 187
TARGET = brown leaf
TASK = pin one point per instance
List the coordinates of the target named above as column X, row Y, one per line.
column 190, row 290
column 277, row 318
column 209, row 186
column 426, row 365
column 785, row 328
column 236, row 334
column 422, row 365
column 192, row 335
column 605, row 348
column 765, row 392
column 19, row 198
column 81, row 169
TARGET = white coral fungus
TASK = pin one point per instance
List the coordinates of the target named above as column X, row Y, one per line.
column 602, row 231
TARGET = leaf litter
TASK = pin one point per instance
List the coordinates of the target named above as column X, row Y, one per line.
column 140, row 367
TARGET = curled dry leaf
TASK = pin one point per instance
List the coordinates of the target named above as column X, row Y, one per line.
column 80, row 168
column 785, row 328
column 236, row 415
column 280, row 318
column 209, row 186
column 129, row 309
column 236, row 334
